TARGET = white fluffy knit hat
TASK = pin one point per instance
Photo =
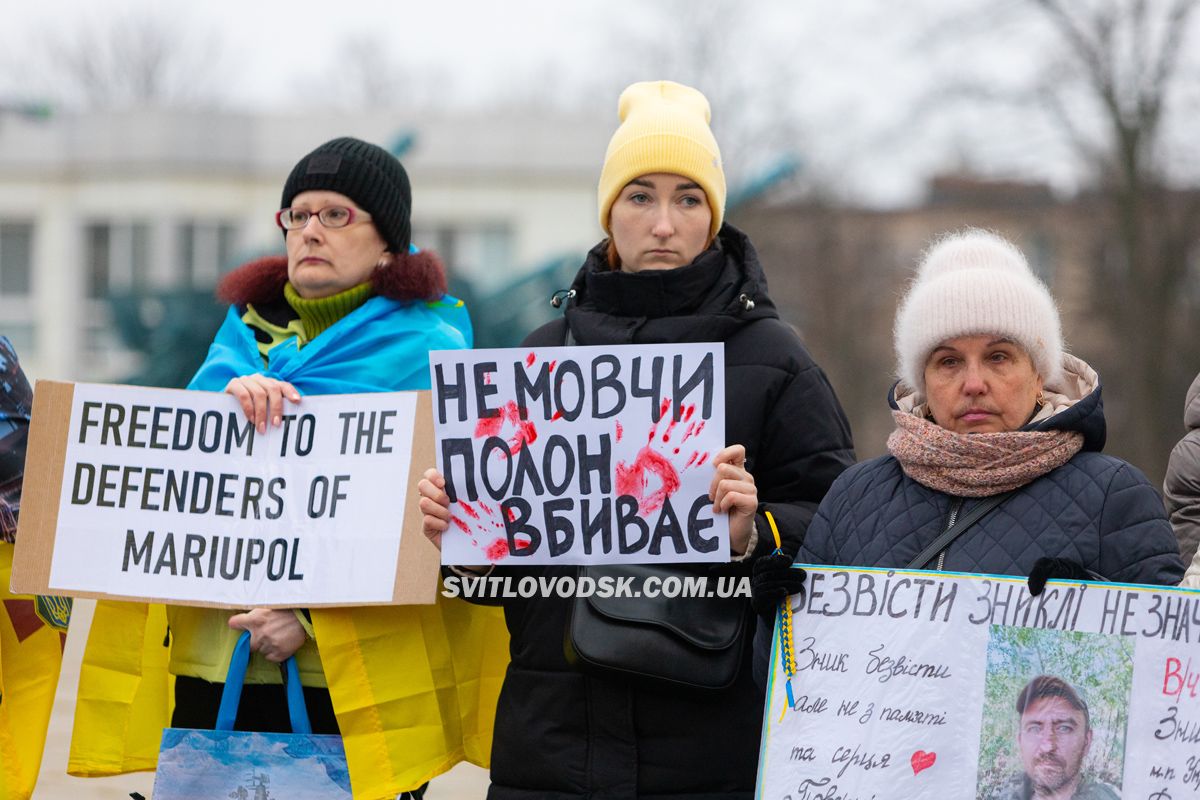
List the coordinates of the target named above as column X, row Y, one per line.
column 976, row 282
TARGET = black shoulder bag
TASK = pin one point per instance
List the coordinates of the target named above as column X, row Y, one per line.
column 697, row 642
column 692, row 641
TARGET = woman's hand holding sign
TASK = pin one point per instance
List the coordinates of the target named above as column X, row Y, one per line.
column 435, row 506
column 733, row 492
column 262, row 397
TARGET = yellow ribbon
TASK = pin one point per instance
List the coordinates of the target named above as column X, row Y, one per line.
column 786, row 651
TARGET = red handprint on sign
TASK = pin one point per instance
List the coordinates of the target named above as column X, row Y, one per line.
column 482, row 521
column 653, row 476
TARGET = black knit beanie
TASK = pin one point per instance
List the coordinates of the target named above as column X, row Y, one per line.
column 367, row 174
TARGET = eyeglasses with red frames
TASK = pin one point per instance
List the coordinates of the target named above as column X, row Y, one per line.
column 291, row 219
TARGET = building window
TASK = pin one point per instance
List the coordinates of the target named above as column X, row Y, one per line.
column 96, row 246
column 16, row 259
column 116, row 261
column 16, row 285
column 482, row 253
column 204, row 251
column 117, row 257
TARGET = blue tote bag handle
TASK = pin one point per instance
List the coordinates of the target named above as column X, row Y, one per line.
column 231, row 695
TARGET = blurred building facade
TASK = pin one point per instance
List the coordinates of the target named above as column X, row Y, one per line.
column 127, row 206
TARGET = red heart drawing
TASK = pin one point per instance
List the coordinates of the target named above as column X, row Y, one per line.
column 922, row 760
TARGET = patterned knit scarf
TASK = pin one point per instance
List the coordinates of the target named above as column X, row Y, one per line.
column 978, row 464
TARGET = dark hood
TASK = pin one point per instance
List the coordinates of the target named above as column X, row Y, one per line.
column 721, row 291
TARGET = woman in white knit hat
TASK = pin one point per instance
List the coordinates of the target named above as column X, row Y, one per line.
column 646, row 719
column 998, row 434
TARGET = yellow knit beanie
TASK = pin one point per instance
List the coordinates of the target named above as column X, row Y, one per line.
column 664, row 128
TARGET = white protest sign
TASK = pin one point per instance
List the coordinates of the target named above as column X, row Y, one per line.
column 175, row 496
column 907, row 685
column 581, row 455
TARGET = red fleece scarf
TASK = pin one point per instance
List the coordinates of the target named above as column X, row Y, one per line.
column 409, row 276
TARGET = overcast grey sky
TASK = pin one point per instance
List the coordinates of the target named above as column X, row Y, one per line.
column 867, row 93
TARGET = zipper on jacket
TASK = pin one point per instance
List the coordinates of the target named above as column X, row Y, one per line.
column 955, row 507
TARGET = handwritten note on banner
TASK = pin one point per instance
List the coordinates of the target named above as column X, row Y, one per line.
column 174, row 495
column 920, row 685
column 581, row 455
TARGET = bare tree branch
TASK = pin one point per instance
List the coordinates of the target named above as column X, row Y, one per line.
column 125, row 61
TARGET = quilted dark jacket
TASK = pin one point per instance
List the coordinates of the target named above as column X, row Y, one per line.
column 1095, row 509
column 565, row 733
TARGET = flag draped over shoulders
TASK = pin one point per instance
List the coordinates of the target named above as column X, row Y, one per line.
column 382, row 346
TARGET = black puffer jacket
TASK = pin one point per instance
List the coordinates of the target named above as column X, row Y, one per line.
column 1096, row 510
column 563, row 733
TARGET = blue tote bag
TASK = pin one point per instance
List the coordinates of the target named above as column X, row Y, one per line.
column 241, row 765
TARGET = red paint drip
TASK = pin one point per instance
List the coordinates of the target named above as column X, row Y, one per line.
column 553, row 364
column 687, row 412
column 497, row 550
column 700, row 427
column 662, row 411
column 486, row 509
column 470, row 512
column 703, row 458
column 687, row 434
column 529, row 359
column 667, row 433
column 620, row 431
column 556, row 415
column 692, row 460
column 512, row 515
column 632, row 480
column 522, row 541
column 462, row 526
column 676, row 451
column 487, row 378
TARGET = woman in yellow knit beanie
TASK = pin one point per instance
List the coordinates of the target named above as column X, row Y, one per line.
column 671, row 271
column 664, row 129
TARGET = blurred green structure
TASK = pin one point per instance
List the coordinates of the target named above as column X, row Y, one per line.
column 503, row 317
column 170, row 330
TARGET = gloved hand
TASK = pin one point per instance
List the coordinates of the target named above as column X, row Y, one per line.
column 772, row 581
column 1045, row 569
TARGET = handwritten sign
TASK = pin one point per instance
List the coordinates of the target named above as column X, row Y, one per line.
column 171, row 495
column 927, row 685
column 581, row 455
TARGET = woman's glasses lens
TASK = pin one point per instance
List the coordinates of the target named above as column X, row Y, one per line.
column 330, row 216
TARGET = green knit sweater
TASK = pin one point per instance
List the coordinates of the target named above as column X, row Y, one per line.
column 304, row 319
